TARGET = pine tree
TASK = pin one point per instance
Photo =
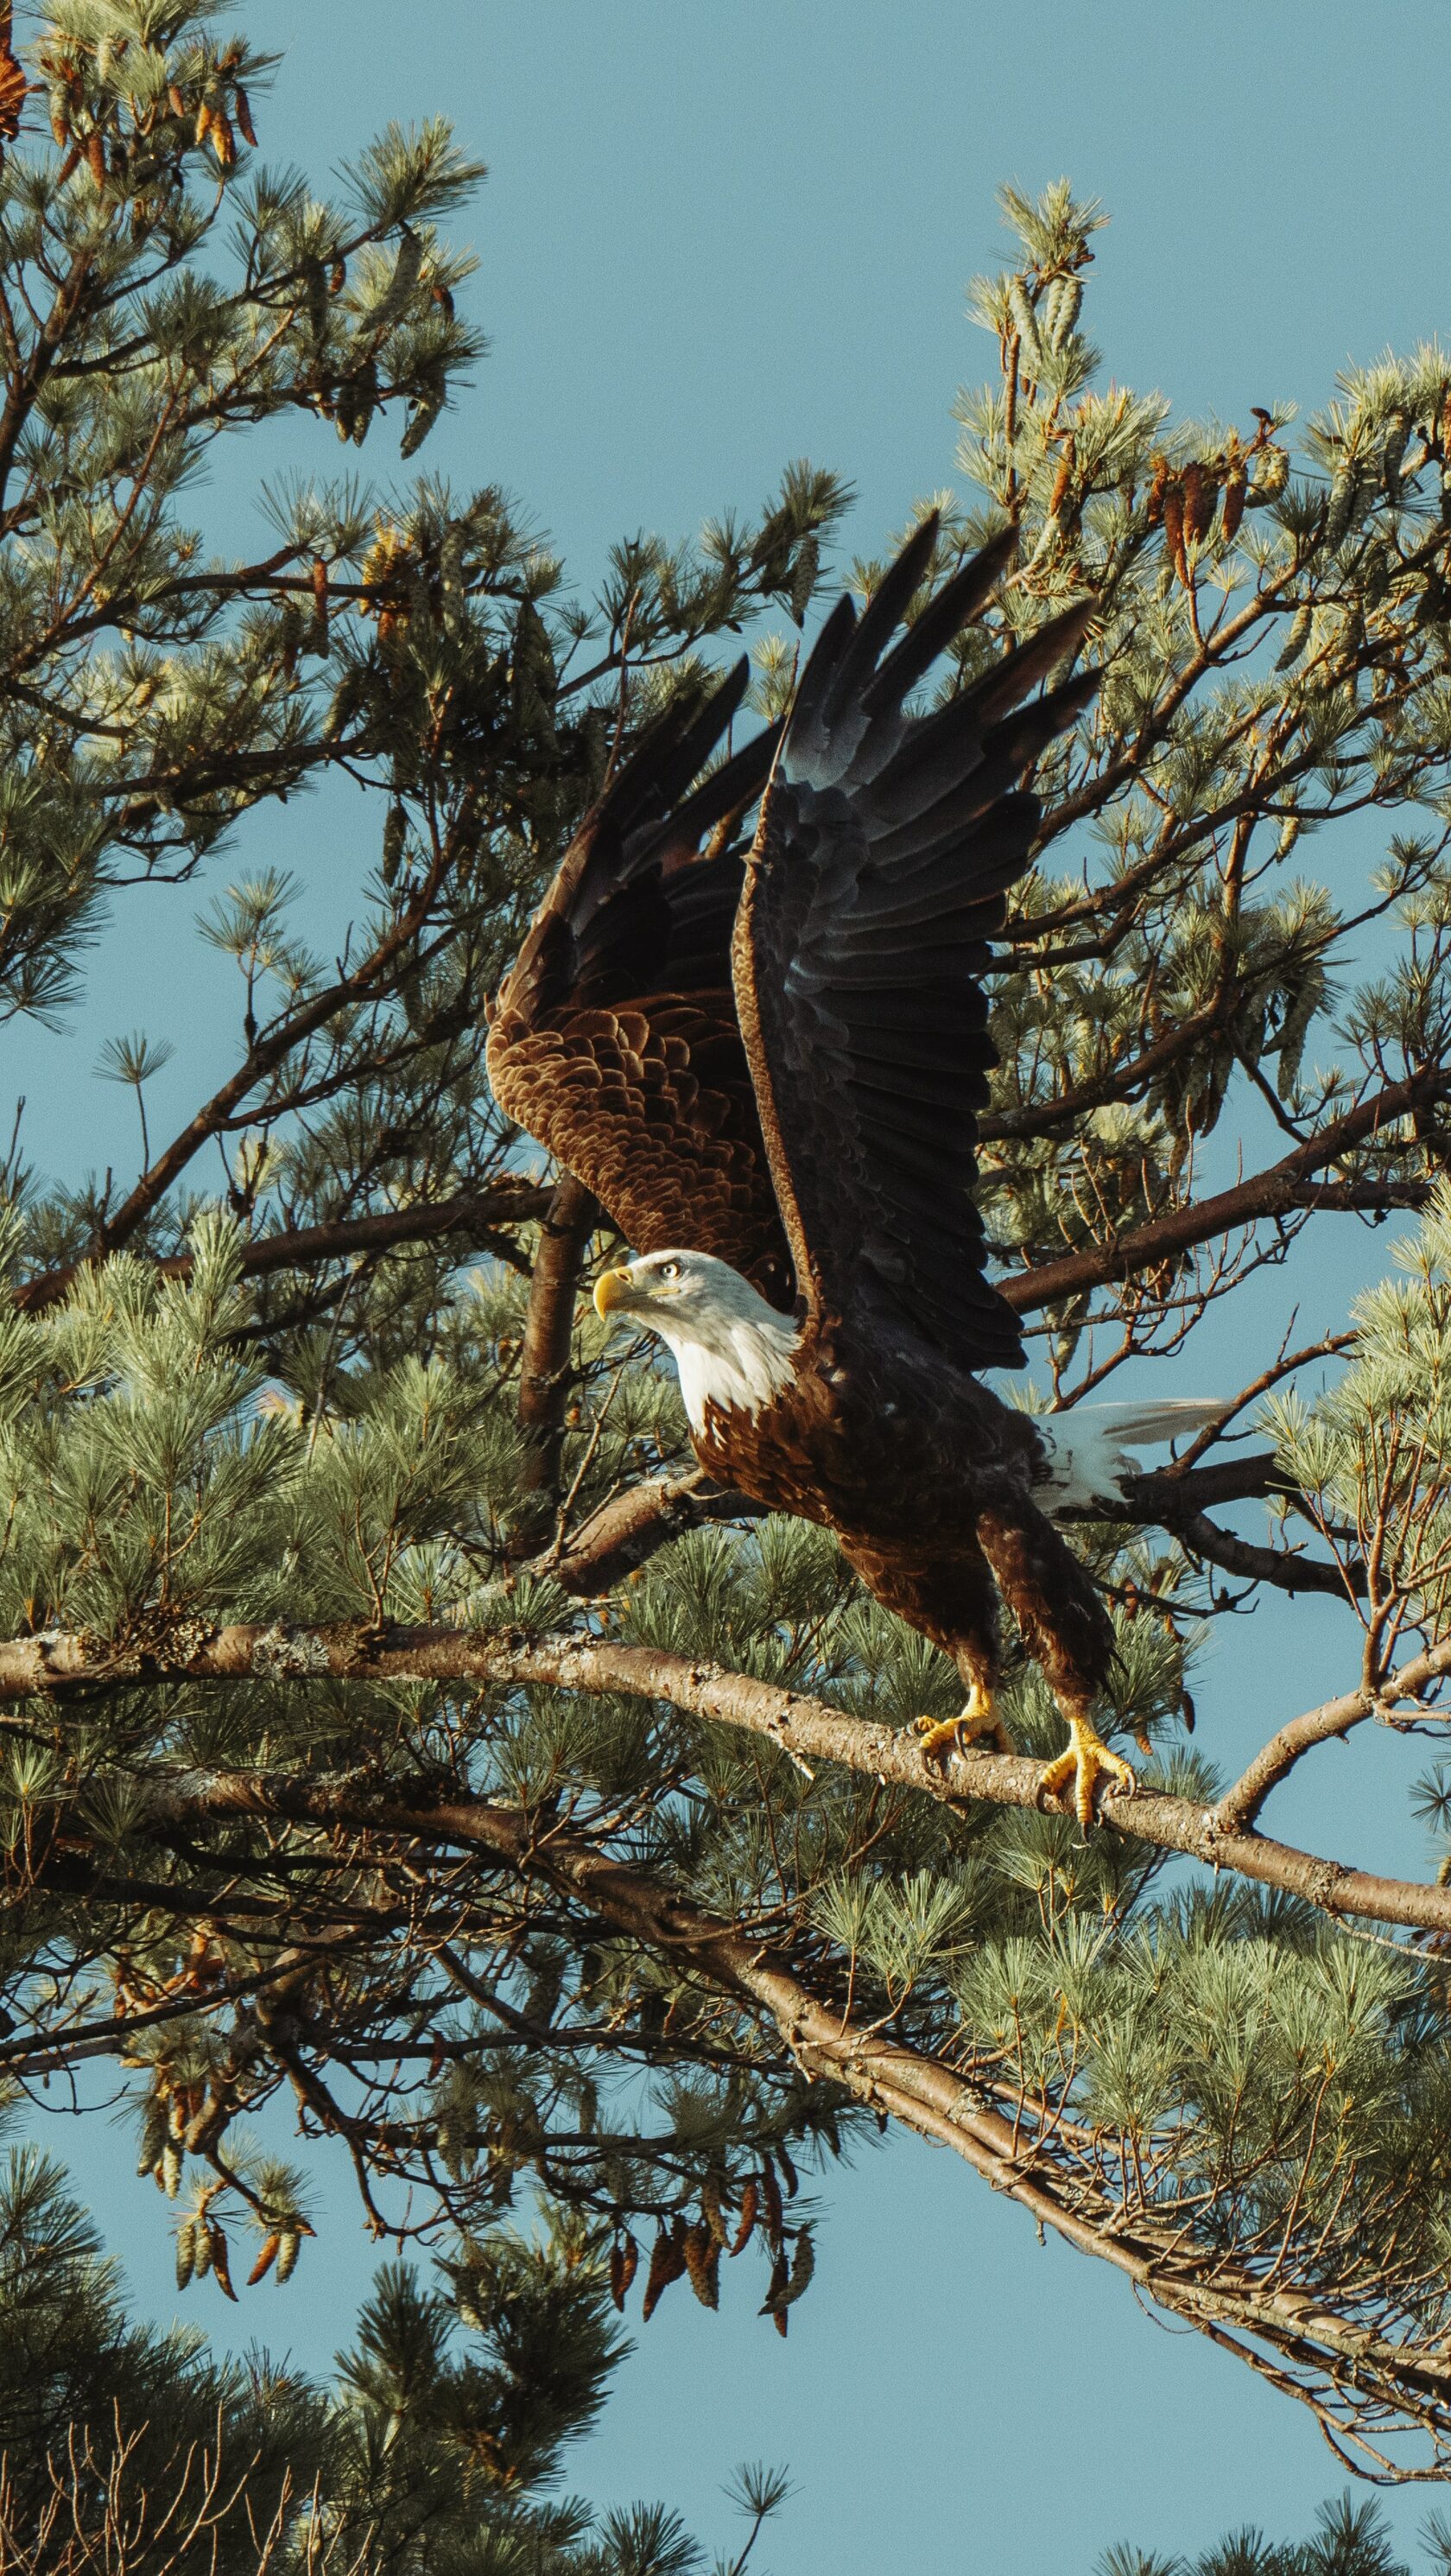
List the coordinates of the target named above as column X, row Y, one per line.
column 130, row 2449
column 1350, row 2539
column 396, row 1722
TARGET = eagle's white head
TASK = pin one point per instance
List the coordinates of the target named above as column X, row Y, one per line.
column 730, row 1347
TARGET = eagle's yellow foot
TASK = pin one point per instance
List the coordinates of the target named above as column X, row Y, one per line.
column 979, row 1722
column 1086, row 1762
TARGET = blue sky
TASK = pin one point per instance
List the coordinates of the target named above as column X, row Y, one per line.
column 716, row 237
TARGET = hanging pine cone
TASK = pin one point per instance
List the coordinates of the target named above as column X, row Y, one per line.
column 220, row 2263
column 13, row 85
column 702, row 2262
column 750, row 2202
column 1174, row 529
column 710, row 2208
column 667, row 2263
column 772, row 2305
column 319, row 637
column 624, row 2263
column 265, row 2260
column 1200, row 502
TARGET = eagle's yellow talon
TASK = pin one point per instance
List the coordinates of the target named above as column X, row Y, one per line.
column 978, row 1723
column 1087, row 1761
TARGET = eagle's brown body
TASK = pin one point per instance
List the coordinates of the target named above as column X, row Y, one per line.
column 774, row 1057
column 927, row 1481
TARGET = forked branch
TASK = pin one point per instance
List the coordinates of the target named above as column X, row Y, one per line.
column 1352, row 2378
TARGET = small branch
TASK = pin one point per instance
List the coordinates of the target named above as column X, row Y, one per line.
column 1277, row 1191
column 1174, row 1499
column 1045, row 1117
column 473, row 1212
column 1241, row 1804
column 1272, row 1565
column 24, row 388
column 270, row 1049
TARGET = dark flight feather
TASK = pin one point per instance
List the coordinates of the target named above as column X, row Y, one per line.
column 881, row 863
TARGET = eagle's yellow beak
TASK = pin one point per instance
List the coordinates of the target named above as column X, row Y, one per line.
column 613, row 1288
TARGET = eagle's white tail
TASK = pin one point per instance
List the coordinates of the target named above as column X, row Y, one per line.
column 1086, row 1447
column 1135, row 1426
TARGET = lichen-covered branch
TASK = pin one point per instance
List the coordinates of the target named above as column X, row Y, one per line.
column 805, row 1729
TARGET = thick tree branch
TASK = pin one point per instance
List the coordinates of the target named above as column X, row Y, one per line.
column 631, row 1527
column 60, row 1667
column 1194, row 2281
column 1246, row 1476
column 548, row 1331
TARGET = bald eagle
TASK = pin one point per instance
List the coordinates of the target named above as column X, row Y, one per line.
column 766, row 1061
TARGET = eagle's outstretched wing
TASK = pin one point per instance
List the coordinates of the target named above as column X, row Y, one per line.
column 885, row 847
column 614, row 1037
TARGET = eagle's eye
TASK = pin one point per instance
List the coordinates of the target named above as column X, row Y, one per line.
column 669, row 1270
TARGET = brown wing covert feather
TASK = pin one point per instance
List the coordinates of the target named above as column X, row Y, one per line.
column 614, row 1038
column 885, row 847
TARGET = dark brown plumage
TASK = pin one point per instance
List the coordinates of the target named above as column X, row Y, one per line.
column 775, row 1058
column 615, row 1039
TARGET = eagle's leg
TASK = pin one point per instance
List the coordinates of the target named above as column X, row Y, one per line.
column 978, row 1723
column 1087, row 1761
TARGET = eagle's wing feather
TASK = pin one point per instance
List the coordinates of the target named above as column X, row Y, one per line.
column 884, row 851
column 614, row 1037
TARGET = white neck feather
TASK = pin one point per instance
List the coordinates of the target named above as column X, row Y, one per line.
column 738, row 1360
